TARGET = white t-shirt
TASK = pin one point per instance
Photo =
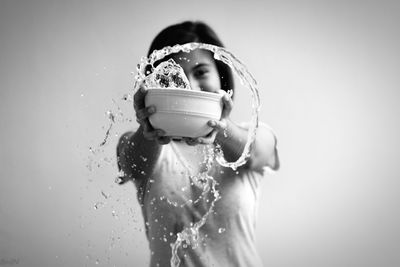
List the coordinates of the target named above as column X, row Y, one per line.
column 171, row 200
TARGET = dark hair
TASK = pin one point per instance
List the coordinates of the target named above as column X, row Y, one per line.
column 194, row 31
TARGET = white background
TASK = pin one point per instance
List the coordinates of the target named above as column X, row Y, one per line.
column 328, row 74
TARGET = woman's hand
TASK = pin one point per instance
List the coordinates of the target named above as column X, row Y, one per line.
column 221, row 126
column 142, row 117
column 218, row 126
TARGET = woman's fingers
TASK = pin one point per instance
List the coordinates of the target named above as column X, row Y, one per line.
column 209, row 139
column 153, row 134
column 218, row 125
column 227, row 105
column 157, row 135
column 138, row 98
column 163, row 140
column 144, row 113
column 190, row 141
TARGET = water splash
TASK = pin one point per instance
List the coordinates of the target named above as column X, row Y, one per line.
column 111, row 117
column 167, row 74
column 238, row 68
column 190, row 235
column 114, row 115
column 98, row 205
column 221, row 230
column 105, row 195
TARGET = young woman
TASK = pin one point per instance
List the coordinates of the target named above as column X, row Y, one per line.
column 163, row 169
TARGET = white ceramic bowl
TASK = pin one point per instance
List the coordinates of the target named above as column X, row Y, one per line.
column 183, row 113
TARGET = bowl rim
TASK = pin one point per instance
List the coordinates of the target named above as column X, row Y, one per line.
column 188, row 113
column 184, row 92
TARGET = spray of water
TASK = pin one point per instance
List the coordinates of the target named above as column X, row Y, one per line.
column 238, row 68
column 190, row 235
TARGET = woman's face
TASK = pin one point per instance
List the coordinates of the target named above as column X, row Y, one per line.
column 200, row 69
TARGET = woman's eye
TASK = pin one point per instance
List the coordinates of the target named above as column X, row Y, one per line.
column 200, row 72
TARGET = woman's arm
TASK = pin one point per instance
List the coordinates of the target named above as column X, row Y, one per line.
column 233, row 138
column 264, row 151
column 136, row 155
column 137, row 152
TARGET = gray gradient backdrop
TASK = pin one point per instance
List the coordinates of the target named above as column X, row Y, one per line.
column 328, row 73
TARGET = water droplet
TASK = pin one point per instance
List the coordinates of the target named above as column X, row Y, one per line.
column 110, row 115
column 121, row 173
column 127, row 97
column 114, row 214
column 119, row 180
column 104, row 195
column 98, row 205
column 225, row 133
